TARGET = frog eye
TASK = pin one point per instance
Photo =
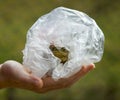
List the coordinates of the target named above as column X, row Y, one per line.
column 63, row 49
column 52, row 47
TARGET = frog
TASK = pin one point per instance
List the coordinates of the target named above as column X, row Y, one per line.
column 62, row 53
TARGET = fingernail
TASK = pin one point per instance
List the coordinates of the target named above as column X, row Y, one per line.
column 93, row 66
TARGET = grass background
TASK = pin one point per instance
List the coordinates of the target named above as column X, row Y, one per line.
column 103, row 83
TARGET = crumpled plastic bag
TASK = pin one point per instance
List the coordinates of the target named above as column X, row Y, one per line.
column 72, row 34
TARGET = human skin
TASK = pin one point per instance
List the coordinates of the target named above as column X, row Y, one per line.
column 13, row 74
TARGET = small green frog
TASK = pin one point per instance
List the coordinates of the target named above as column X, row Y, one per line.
column 61, row 53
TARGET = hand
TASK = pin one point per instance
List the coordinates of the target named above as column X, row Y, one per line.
column 13, row 74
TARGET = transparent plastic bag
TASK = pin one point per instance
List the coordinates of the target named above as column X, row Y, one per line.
column 67, row 33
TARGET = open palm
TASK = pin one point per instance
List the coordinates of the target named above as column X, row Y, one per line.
column 14, row 74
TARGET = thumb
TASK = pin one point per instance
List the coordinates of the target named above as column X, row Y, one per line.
column 30, row 82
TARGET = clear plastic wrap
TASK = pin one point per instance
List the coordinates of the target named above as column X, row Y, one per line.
column 63, row 29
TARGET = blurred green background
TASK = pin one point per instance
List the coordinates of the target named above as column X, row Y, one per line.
column 103, row 83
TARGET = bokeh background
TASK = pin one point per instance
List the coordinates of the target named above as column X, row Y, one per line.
column 103, row 83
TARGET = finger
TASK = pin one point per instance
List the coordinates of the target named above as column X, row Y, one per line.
column 84, row 70
column 16, row 76
column 26, row 80
column 31, row 82
column 27, row 70
column 51, row 84
column 1, row 65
